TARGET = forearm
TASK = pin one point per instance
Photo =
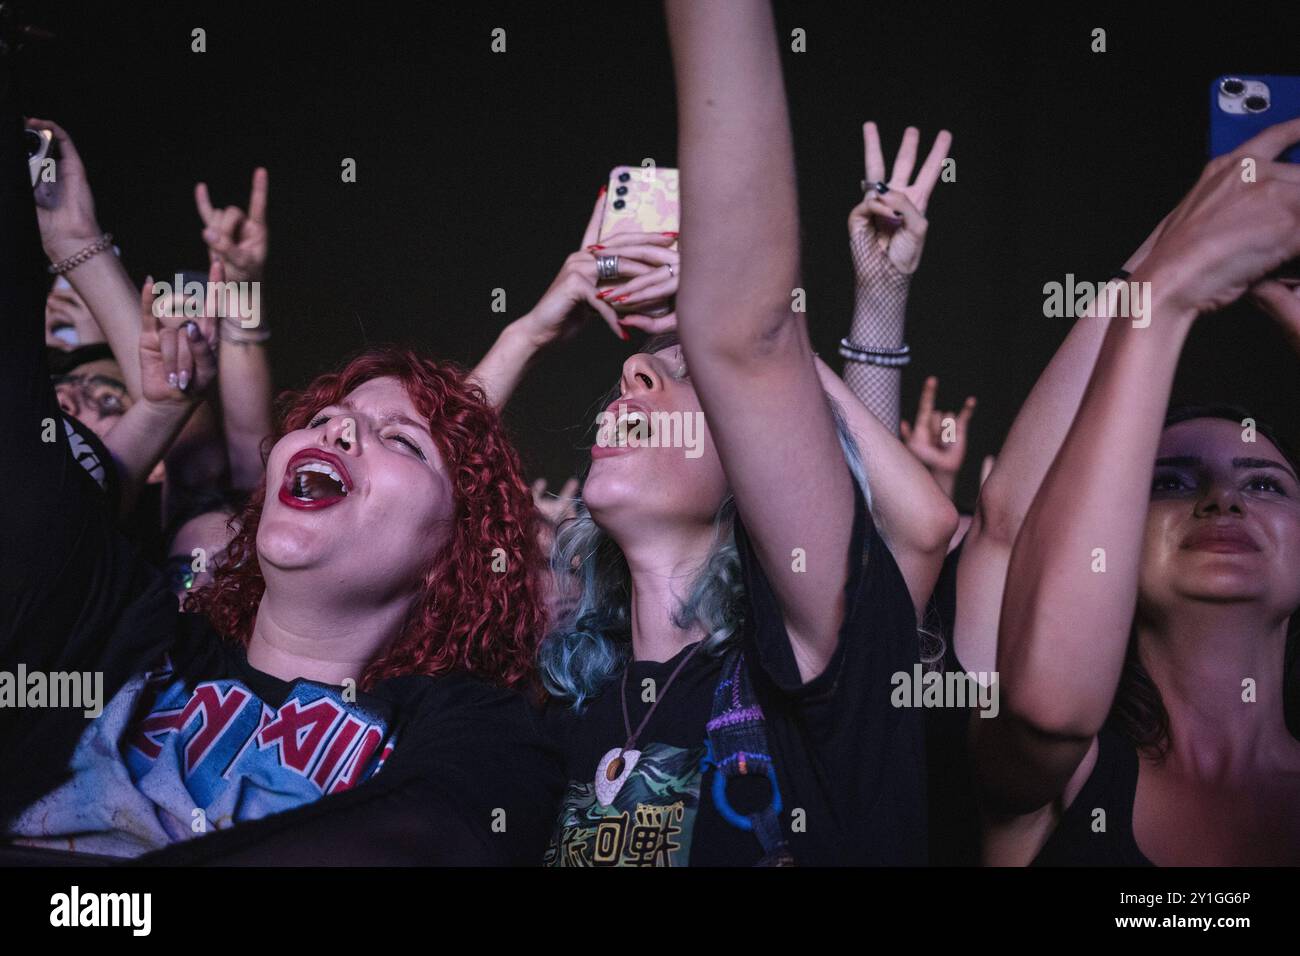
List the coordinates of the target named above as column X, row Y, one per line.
column 907, row 504
column 112, row 299
column 1064, row 631
column 1037, row 432
column 739, row 208
column 244, row 380
column 879, row 319
column 501, row 370
column 139, row 441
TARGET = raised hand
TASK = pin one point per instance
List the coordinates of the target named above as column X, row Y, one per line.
column 895, row 216
column 555, row 509
column 66, row 214
column 575, row 293
column 1231, row 229
column 178, row 359
column 1281, row 301
column 239, row 240
column 938, row 438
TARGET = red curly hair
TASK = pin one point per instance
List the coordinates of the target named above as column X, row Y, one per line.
column 467, row 616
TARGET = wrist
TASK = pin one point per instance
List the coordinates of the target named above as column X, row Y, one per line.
column 70, row 242
column 1162, row 295
column 527, row 333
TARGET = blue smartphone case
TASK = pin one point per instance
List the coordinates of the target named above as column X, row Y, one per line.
column 1230, row 130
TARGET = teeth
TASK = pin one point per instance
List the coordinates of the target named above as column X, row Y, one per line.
column 321, row 469
column 628, row 421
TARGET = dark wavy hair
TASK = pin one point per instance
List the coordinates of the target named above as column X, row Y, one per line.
column 467, row 616
column 1139, row 711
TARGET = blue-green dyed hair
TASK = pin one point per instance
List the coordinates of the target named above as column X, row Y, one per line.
column 591, row 644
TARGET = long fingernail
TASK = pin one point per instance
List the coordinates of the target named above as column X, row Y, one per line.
column 192, row 331
column 601, row 295
column 184, row 380
column 626, row 337
column 595, row 247
column 621, row 298
column 601, row 193
column 171, row 379
column 673, row 234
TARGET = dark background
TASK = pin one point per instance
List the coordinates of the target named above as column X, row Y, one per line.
column 478, row 170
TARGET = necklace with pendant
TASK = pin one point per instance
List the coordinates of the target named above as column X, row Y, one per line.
column 617, row 765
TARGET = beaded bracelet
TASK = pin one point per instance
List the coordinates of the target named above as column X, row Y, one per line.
column 889, row 358
column 231, row 330
column 70, row 263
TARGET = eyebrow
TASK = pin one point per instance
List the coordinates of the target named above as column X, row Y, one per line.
column 76, row 378
column 1195, row 462
column 391, row 417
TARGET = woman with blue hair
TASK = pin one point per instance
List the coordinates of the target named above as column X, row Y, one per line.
column 748, row 559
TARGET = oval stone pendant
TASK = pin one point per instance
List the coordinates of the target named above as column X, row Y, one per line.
column 612, row 772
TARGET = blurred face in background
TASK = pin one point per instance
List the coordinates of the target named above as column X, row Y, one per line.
column 94, row 394
column 68, row 322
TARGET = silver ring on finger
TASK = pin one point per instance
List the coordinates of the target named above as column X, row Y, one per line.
column 607, row 267
column 672, row 273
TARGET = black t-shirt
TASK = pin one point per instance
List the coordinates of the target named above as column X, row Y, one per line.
column 849, row 765
column 419, row 770
column 1112, row 786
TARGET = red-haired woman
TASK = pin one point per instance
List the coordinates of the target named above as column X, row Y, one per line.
column 351, row 691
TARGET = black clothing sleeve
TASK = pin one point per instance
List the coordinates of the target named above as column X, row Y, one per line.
column 471, row 782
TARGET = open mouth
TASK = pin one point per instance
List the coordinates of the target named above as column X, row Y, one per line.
column 631, row 428
column 315, row 479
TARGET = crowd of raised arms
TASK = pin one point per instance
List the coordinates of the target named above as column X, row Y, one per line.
column 342, row 627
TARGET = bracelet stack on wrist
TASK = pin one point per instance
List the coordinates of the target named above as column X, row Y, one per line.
column 77, row 258
column 233, row 331
column 889, row 358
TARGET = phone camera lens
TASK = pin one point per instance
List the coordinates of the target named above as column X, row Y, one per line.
column 619, row 203
column 1256, row 104
column 624, row 177
column 1231, row 86
column 621, row 191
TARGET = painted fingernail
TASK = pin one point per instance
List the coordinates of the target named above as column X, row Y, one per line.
column 673, row 234
column 601, row 193
column 192, row 331
column 621, row 298
column 171, row 379
column 626, row 337
column 184, row 380
column 601, row 295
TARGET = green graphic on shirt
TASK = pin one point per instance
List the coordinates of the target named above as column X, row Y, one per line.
column 648, row 824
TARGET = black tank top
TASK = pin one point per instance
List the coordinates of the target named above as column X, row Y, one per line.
column 1111, row 786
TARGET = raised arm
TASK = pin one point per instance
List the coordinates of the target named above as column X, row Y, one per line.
column 1005, row 495
column 573, row 297
column 239, row 241
column 747, row 349
column 914, row 514
column 1065, row 628
column 886, row 235
column 177, row 365
column 68, row 225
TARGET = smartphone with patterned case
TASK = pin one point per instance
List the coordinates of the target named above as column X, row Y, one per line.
column 1243, row 105
column 641, row 199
